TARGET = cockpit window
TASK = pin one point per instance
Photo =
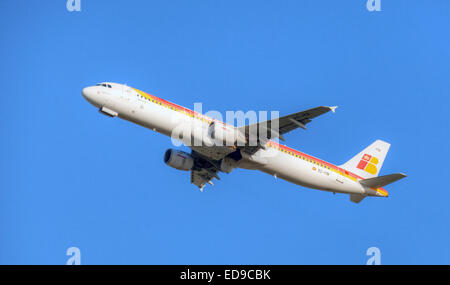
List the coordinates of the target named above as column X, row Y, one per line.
column 104, row 85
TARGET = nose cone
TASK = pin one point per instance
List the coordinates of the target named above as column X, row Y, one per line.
column 89, row 93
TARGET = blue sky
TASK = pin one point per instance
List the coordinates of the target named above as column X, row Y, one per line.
column 71, row 177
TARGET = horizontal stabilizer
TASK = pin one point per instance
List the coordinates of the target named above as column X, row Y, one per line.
column 381, row 181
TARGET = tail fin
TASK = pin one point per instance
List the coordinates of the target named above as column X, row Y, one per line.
column 368, row 162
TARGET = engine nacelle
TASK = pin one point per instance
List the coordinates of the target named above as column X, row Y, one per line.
column 178, row 159
column 225, row 135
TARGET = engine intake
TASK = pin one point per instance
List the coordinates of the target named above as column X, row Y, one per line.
column 178, row 159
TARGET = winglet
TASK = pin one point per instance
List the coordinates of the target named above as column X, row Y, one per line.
column 333, row 109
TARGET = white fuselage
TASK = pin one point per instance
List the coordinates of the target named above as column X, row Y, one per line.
column 283, row 162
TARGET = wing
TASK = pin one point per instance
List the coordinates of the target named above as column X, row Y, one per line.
column 264, row 131
column 300, row 119
column 213, row 152
column 201, row 177
column 204, row 170
column 286, row 123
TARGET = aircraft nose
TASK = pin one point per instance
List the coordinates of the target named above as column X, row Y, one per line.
column 88, row 93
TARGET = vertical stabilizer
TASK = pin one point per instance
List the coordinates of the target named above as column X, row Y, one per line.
column 368, row 162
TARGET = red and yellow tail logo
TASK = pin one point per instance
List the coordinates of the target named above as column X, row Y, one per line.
column 368, row 163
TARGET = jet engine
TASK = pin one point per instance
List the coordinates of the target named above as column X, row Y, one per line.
column 178, row 159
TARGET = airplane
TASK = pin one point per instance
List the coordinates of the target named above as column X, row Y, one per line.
column 358, row 177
